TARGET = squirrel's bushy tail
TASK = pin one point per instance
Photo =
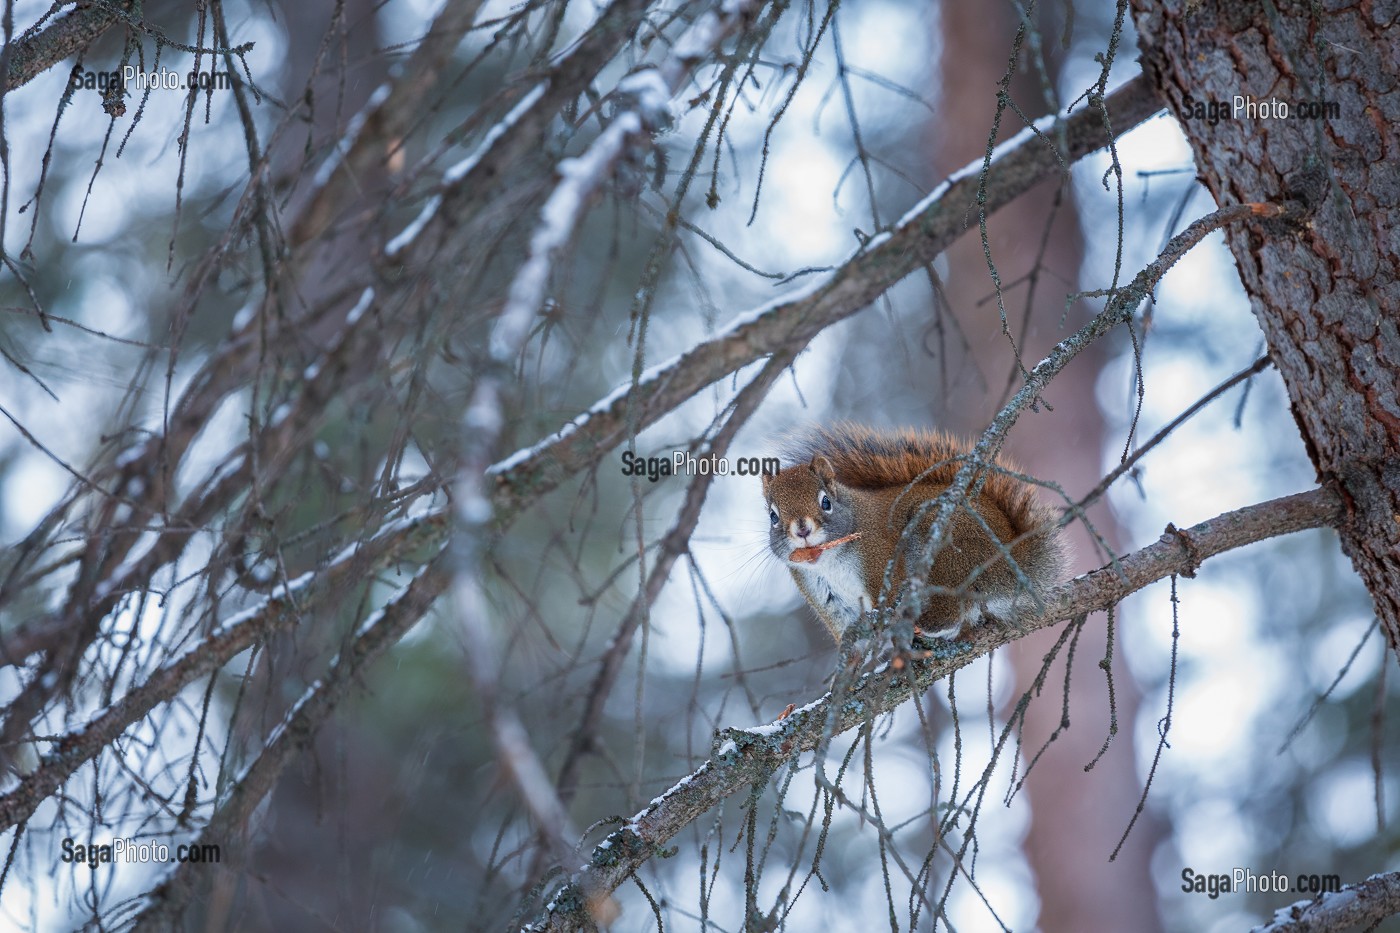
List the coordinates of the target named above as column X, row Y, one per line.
column 867, row 458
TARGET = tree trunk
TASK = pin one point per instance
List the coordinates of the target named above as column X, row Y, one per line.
column 1324, row 288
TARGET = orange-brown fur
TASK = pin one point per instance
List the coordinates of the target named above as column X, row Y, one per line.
column 880, row 484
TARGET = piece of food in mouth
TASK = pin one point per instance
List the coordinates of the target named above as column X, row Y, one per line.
column 809, row 555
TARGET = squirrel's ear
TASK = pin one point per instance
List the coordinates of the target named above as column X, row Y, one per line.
column 824, row 470
column 767, row 481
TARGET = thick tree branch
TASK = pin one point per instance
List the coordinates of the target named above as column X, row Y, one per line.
column 790, row 322
column 746, row 757
column 35, row 52
column 1366, row 902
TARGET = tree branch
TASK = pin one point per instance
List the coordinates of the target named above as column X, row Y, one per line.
column 675, row 542
column 36, row 52
column 280, row 610
column 1119, row 310
column 296, row 732
column 647, row 94
column 746, row 757
column 1368, row 902
column 927, row 230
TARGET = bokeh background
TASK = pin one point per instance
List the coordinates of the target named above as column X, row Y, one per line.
column 1280, row 753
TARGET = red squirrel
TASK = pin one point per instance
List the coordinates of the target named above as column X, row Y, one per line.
column 838, row 517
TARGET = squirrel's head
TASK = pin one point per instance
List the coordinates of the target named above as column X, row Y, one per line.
column 806, row 507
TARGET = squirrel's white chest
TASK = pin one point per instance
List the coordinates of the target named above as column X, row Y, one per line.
column 839, row 584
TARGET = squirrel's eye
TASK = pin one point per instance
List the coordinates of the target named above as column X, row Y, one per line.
column 825, row 502
column 772, row 516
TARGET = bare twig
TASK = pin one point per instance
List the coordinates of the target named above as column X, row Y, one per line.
column 1129, row 462
column 278, row 611
column 675, row 542
column 295, row 733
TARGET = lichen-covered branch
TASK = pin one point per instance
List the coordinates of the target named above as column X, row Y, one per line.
column 70, row 34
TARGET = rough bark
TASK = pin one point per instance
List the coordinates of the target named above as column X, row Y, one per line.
column 40, row 48
column 1325, row 290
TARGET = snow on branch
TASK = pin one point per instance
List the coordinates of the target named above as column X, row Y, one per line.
column 1368, row 902
column 512, row 138
column 800, row 315
column 644, row 97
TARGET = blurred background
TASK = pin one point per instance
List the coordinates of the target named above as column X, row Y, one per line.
column 399, row 816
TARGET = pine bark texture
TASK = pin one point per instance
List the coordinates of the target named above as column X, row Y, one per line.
column 1324, row 289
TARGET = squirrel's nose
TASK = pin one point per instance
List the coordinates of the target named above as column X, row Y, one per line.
column 804, row 528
